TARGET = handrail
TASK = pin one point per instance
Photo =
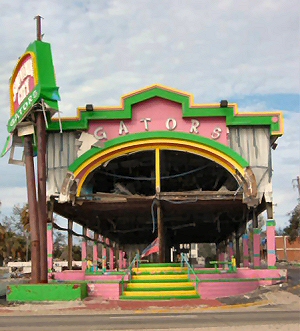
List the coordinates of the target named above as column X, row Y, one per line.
column 185, row 260
column 129, row 269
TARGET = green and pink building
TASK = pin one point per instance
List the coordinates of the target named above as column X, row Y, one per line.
column 159, row 165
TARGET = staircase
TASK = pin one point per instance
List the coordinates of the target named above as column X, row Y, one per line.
column 159, row 281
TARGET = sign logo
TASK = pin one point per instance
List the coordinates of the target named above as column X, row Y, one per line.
column 23, row 81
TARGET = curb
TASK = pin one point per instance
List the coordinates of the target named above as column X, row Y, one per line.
column 199, row 309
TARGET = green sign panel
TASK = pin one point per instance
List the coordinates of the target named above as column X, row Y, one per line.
column 33, row 80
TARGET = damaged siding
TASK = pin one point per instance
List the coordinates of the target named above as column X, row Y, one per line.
column 61, row 152
column 253, row 144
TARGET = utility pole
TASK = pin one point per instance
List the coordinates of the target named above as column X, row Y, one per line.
column 296, row 183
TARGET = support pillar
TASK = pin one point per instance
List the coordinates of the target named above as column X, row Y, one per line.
column 108, row 254
column 256, row 248
column 84, row 249
column 237, row 251
column 271, row 249
column 120, row 259
column 124, row 260
column 246, row 250
column 161, row 237
column 95, row 252
column 33, row 210
column 231, row 250
column 50, row 248
column 42, row 204
column 70, row 244
column 104, row 255
column 221, row 257
column 117, row 252
column 111, row 257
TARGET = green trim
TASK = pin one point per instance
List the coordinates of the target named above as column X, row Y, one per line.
column 271, row 223
column 256, row 231
column 46, row 292
column 188, row 110
column 256, row 255
column 50, row 255
column 272, row 267
column 164, row 297
column 181, row 136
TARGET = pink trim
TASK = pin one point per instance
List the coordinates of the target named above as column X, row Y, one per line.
column 50, row 246
column 83, row 254
column 106, row 291
column 271, row 255
column 154, row 115
column 111, row 258
column 207, row 290
column 104, row 257
column 246, row 252
column 95, row 253
column 256, row 250
column 120, row 259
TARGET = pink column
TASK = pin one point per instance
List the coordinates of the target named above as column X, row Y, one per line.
column 221, row 258
column 271, row 249
column 50, row 248
column 120, row 259
column 111, row 257
column 245, row 250
column 124, row 260
column 231, row 250
column 108, row 254
column 103, row 255
column 83, row 251
column 95, row 252
column 256, row 248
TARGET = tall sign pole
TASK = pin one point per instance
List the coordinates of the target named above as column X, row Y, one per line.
column 34, row 99
column 42, row 204
column 32, row 207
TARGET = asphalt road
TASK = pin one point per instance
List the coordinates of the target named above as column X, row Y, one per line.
column 265, row 320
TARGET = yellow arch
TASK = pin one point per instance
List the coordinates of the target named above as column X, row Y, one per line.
column 225, row 160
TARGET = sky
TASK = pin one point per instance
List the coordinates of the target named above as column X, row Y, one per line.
column 244, row 51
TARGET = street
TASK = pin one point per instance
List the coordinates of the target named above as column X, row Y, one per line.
column 241, row 320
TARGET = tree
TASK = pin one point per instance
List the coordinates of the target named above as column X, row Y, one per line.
column 76, row 253
column 18, row 222
column 292, row 230
column 59, row 244
column 11, row 245
column 14, row 234
column 280, row 232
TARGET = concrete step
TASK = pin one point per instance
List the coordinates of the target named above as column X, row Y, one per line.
column 160, row 277
column 155, row 270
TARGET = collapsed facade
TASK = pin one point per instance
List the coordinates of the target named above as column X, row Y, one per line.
column 161, row 166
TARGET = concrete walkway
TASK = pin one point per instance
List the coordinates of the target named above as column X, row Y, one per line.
column 282, row 296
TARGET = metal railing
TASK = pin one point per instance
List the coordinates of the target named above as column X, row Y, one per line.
column 184, row 260
column 134, row 263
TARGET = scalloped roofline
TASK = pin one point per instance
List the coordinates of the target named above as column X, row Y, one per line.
column 190, row 109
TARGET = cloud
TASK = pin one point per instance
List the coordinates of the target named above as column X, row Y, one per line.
column 212, row 49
